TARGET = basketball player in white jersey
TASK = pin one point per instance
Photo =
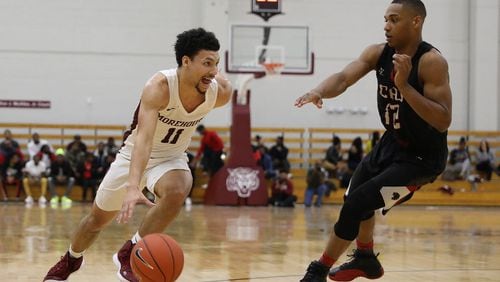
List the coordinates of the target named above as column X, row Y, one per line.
column 172, row 104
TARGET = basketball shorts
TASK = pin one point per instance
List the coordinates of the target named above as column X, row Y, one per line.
column 389, row 175
column 112, row 189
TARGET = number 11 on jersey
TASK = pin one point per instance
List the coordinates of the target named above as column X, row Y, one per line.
column 172, row 131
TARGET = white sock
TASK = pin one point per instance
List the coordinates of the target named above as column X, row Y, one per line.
column 75, row 254
column 136, row 238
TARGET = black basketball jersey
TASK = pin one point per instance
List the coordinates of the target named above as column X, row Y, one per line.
column 399, row 119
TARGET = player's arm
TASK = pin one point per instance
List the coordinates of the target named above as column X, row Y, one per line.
column 225, row 89
column 154, row 97
column 435, row 105
column 338, row 82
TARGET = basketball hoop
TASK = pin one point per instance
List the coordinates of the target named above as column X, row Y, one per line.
column 273, row 68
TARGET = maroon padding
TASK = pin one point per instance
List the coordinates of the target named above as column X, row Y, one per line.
column 240, row 156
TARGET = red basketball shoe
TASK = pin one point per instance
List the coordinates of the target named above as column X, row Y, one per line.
column 122, row 261
column 362, row 264
column 63, row 269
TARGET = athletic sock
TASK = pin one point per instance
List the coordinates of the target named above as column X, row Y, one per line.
column 136, row 238
column 327, row 260
column 74, row 254
column 364, row 246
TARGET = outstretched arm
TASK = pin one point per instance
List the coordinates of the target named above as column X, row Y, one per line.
column 435, row 105
column 154, row 97
column 337, row 83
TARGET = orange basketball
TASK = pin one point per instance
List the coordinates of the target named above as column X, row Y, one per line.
column 157, row 257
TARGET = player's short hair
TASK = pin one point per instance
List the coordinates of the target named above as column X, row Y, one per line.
column 190, row 42
column 415, row 5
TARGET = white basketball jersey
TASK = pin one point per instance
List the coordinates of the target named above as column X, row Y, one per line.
column 175, row 125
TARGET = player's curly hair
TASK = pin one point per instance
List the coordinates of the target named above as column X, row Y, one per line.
column 415, row 5
column 190, row 42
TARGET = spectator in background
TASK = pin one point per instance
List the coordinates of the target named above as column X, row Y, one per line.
column 485, row 160
column 12, row 173
column 266, row 163
column 46, row 156
column 282, row 191
column 77, row 139
column 316, row 176
column 458, row 166
column 210, row 151
column 259, row 143
column 35, row 144
column 88, row 174
column 374, row 137
column 354, row 157
column 61, row 173
column 74, row 156
column 101, row 171
column 8, row 150
column 279, row 155
column 7, row 135
column 333, row 156
column 111, row 147
column 100, row 153
column 34, row 173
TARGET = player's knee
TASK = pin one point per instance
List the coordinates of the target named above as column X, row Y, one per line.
column 351, row 215
column 173, row 195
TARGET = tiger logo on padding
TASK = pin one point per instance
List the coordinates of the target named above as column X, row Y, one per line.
column 243, row 180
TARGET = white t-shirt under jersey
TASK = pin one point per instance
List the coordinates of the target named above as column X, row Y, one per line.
column 175, row 125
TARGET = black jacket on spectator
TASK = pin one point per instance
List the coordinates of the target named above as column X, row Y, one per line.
column 65, row 167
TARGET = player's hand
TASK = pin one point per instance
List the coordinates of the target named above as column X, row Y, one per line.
column 133, row 197
column 402, row 67
column 310, row 97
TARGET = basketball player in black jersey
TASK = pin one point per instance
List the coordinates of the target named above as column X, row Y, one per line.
column 414, row 103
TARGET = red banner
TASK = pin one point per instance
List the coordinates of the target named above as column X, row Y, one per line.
column 34, row 104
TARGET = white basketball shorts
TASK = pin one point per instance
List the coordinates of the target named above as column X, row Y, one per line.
column 112, row 189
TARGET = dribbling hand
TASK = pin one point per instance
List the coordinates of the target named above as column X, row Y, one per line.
column 134, row 196
column 310, row 97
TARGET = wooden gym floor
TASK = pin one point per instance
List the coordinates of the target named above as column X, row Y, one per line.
column 416, row 243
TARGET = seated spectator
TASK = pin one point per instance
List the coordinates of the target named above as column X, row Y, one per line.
column 46, row 156
column 111, row 147
column 88, row 176
column 210, row 151
column 266, row 163
column 100, row 153
column 259, row 143
column 372, row 141
column 34, row 173
column 279, row 155
column 35, row 144
column 458, row 166
column 315, row 185
column 12, row 173
column 75, row 156
column 485, row 160
column 8, row 150
column 333, row 156
column 7, row 135
column 77, row 139
column 354, row 157
column 61, row 173
column 282, row 191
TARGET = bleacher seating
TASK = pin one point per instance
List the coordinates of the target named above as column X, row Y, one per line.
column 306, row 145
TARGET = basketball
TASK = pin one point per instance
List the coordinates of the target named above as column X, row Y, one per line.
column 157, row 257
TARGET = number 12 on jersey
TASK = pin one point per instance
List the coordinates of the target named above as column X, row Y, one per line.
column 172, row 132
column 392, row 116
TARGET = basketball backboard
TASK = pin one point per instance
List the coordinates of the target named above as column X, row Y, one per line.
column 252, row 45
